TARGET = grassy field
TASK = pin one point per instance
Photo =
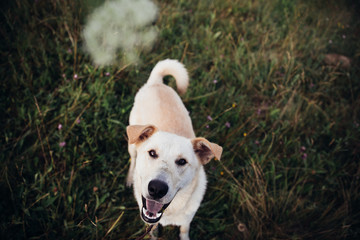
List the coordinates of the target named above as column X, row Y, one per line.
column 289, row 123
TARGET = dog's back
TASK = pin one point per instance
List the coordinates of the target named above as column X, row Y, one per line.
column 160, row 105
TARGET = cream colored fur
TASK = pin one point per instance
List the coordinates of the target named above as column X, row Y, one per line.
column 160, row 122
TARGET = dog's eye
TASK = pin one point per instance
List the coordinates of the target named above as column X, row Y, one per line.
column 181, row 162
column 153, row 154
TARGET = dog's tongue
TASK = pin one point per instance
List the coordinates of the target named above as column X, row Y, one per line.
column 153, row 207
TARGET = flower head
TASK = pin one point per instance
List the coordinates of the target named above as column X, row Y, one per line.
column 209, row 118
column 62, row 144
column 227, row 124
column 120, row 26
column 60, row 126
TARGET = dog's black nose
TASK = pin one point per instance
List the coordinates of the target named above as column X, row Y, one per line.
column 157, row 189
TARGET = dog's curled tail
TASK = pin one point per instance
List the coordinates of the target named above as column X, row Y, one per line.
column 173, row 68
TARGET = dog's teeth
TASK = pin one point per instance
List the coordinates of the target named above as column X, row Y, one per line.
column 147, row 214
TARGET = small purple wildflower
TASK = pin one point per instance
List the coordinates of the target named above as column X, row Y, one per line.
column 209, row 118
column 215, row 81
column 60, row 126
column 280, row 74
column 207, row 126
column 304, row 156
column 107, row 74
column 257, row 142
column 78, row 120
column 76, row 76
column 62, row 144
column 227, row 124
column 302, row 149
column 69, row 50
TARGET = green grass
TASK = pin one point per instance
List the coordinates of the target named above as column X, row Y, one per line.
column 273, row 88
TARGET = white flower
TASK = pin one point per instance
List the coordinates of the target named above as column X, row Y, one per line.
column 120, row 26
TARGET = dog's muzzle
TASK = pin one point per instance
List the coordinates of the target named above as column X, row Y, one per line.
column 152, row 209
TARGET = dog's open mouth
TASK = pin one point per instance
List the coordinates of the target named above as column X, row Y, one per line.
column 152, row 211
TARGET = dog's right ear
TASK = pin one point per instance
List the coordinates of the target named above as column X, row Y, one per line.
column 206, row 150
column 139, row 133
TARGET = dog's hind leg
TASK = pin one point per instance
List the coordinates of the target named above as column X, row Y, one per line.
column 184, row 232
column 130, row 176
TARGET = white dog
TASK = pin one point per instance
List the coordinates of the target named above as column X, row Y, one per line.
column 166, row 158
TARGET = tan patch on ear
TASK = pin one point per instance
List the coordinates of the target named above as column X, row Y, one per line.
column 139, row 133
column 206, row 150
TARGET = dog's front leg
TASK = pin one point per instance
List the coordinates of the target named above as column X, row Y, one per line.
column 184, row 232
column 130, row 176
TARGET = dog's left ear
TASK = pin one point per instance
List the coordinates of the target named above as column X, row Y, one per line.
column 206, row 150
column 139, row 133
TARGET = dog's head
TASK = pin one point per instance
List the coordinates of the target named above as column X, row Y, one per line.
column 165, row 164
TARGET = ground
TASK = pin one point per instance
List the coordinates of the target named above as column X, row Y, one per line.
column 288, row 120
